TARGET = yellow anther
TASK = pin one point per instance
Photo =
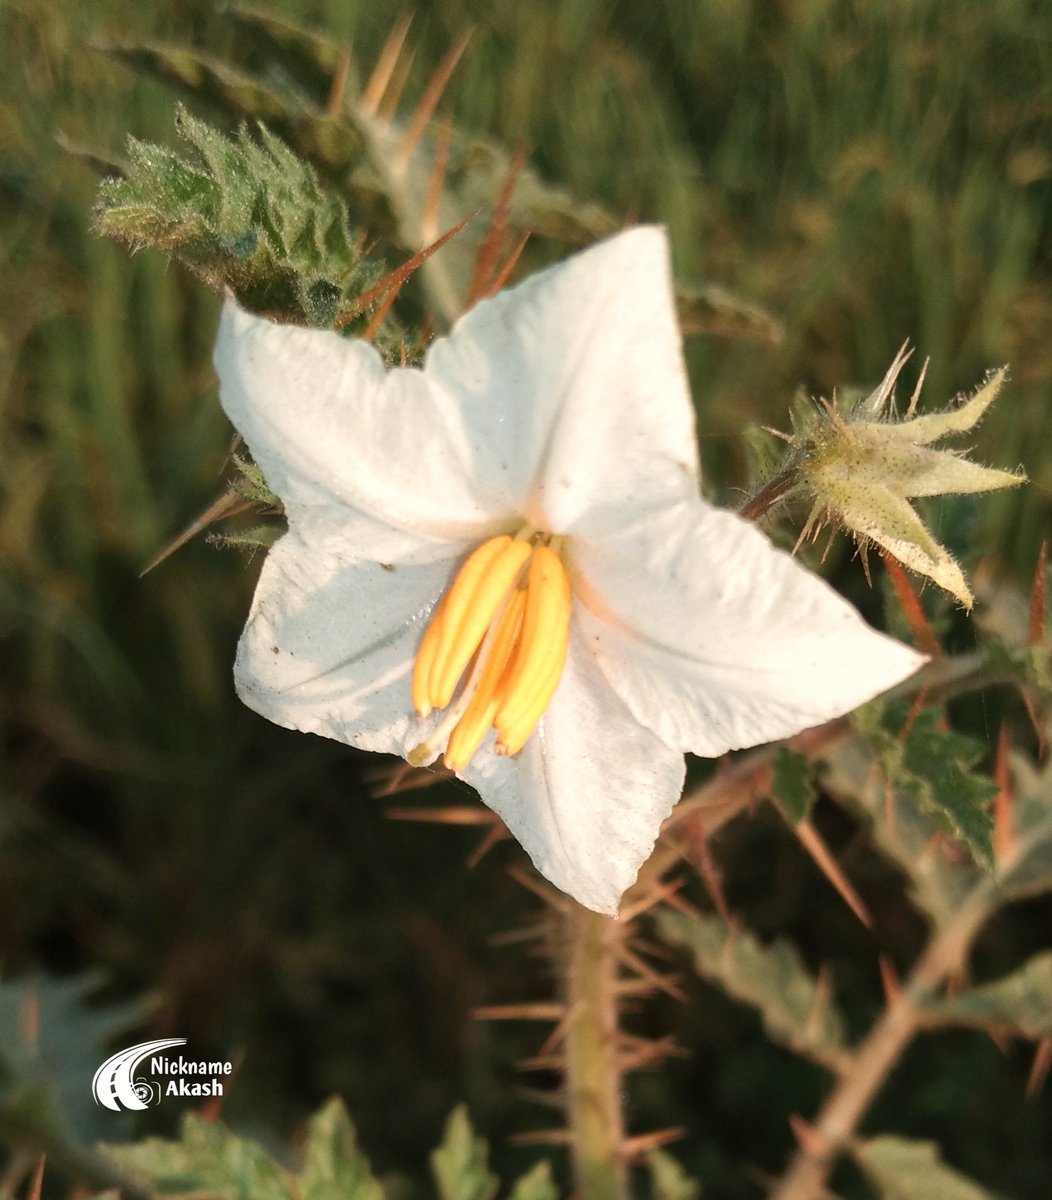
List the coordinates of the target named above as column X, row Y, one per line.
column 478, row 716
column 542, row 650
column 470, row 606
column 516, row 633
column 419, row 687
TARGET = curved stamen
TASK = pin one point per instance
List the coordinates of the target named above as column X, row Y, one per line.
column 517, row 631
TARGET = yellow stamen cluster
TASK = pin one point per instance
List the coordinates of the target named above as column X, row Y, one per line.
column 509, row 611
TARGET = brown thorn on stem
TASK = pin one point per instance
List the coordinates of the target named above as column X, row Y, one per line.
column 540, row 1011
column 706, row 866
column 542, row 1137
column 550, row 896
column 505, row 271
column 338, row 88
column 437, row 183
column 909, row 602
column 813, row 843
column 402, row 777
column 632, row 960
column 394, row 280
column 558, row 1035
column 643, row 1054
column 496, row 833
column 378, row 317
column 425, row 110
column 655, row 893
column 389, row 105
column 812, row 1141
column 633, row 1147
column 466, row 814
column 889, row 978
column 1039, row 1068
column 542, row 1062
column 486, row 259
column 229, row 504
column 546, row 1099
column 1004, row 804
column 375, row 89
column 37, row 1186
column 526, row 933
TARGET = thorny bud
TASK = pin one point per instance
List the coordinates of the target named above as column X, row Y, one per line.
column 861, row 467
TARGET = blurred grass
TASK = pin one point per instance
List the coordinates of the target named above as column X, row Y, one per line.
column 867, row 172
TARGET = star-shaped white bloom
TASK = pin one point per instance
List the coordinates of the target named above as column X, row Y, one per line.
column 540, row 474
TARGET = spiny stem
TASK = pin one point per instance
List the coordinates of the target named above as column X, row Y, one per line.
column 874, row 1059
column 593, row 1076
column 768, row 495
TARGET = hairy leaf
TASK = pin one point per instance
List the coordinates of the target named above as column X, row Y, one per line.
column 908, row 1170
column 208, row 1159
column 669, row 1180
column 769, row 977
column 51, row 1043
column 536, row 1184
column 460, row 1164
column 935, row 767
column 333, row 1167
column 245, row 215
column 1019, row 1003
column 791, row 785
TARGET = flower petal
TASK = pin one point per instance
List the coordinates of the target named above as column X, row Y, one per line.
column 330, row 642
column 328, row 423
column 573, row 386
column 588, row 792
column 716, row 640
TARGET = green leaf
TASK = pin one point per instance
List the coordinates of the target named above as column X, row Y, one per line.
column 536, row 1184
column 939, row 764
column 333, row 1167
column 854, row 773
column 1019, row 1003
column 460, row 1164
column 908, row 1170
column 207, row 1158
column 791, row 785
column 935, row 767
column 246, row 216
column 51, row 1044
column 1029, row 871
column 668, row 1179
column 769, row 977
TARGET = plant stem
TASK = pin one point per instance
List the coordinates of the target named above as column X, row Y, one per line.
column 869, row 1066
column 593, row 1076
column 768, row 495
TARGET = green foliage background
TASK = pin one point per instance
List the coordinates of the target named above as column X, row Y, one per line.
column 866, row 173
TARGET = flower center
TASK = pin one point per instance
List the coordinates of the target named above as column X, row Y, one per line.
column 504, row 624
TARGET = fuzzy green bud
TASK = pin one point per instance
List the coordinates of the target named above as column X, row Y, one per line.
column 861, row 468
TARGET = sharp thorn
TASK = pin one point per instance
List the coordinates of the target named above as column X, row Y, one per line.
column 425, row 110
column 823, row 857
column 373, row 94
column 229, row 504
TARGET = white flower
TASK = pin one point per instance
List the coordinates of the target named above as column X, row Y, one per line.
column 558, row 414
